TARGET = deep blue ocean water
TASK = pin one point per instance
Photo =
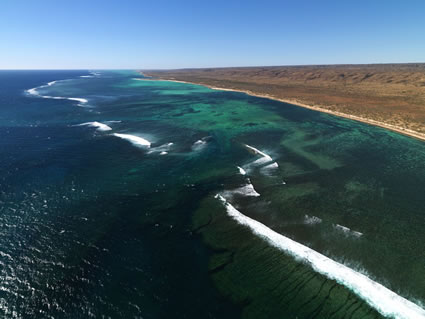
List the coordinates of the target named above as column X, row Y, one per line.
column 96, row 225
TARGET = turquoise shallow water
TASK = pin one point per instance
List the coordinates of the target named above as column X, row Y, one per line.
column 95, row 225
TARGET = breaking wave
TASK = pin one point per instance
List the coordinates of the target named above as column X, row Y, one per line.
column 257, row 151
column 99, row 126
column 376, row 295
column 312, row 220
column 241, row 170
column 246, row 190
column 34, row 92
column 264, row 160
column 133, row 139
column 347, row 230
column 269, row 168
column 162, row 149
column 199, row 145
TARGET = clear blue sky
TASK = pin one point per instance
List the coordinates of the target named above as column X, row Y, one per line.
column 174, row 34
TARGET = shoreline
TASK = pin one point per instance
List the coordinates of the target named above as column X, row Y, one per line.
column 394, row 128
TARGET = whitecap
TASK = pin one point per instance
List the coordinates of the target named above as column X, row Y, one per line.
column 347, row 230
column 270, row 166
column 246, row 190
column 268, row 169
column 100, row 126
column 199, row 145
column 259, row 162
column 312, row 220
column 81, row 100
column 34, row 92
column 135, row 140
column 78, row 99
column 263, row 160
column 257, row 151
column 387, row 302
column 241, row 170
column 162, row 149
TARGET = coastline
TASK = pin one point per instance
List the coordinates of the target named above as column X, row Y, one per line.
column 390, row 127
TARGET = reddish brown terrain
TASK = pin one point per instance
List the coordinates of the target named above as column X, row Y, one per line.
column 389, row 95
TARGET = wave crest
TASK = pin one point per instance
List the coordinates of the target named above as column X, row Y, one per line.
column 387, row 302
column 99, row 126
column 133, row 139
column 34, row 92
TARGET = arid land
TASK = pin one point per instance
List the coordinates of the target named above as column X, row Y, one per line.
column 387, row 95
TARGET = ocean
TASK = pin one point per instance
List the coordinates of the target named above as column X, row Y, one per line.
column 126, row 197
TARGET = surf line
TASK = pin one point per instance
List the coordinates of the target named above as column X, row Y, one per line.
column 385, row 301
column 34, row 92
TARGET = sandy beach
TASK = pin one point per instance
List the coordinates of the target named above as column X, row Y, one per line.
column 394, row 128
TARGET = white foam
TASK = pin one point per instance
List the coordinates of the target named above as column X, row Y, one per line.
column 356, row 233
column 259, row 162
column 347, row 230
column 78, row 99
column 135, row 140
column 264, row 159
column 256, row 151
column 81, row 100
column 34, row 92
column 162, row 149
column 241, row 170
column 268, row 168
column 246, row 190
column 100, row 126
column 87, row 76
column 343, row 228
column 376, row 295
column 271, row 166
column 199, row 145
column 312, row 220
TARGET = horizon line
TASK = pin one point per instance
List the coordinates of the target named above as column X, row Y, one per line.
column 215, row 67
